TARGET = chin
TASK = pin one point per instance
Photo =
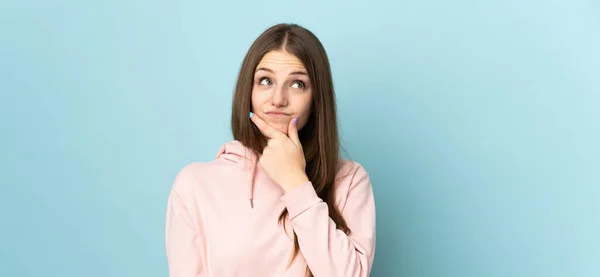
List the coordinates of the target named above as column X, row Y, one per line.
column 282, row 129
column 281, row 126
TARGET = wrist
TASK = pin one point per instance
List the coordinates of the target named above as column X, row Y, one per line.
column 296, row 181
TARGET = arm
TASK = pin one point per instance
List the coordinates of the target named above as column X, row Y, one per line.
column 182, row 239
column 327, row 250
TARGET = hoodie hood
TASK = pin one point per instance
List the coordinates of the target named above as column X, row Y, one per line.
column 236, row 152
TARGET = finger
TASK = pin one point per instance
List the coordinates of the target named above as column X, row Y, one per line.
column 293, row 132
column 264, row 127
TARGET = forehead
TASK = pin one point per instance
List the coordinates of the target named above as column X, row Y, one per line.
column 281, row 61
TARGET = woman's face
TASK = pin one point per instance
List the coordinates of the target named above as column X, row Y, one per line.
column 281, row 90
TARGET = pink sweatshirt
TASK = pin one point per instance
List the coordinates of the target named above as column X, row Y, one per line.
column 222, row 220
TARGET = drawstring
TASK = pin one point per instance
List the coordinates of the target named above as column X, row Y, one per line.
column 248, row 157
column 254, row 163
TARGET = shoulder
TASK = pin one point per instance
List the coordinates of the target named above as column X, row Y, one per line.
column 349, row 170
column 193, row 175
column 189, row 176
column 352, row 181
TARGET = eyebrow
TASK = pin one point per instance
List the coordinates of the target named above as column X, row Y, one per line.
column 293, row 73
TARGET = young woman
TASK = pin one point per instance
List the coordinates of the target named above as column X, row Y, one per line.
column 278, row 200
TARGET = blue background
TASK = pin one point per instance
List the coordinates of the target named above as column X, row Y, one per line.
column 479, row 123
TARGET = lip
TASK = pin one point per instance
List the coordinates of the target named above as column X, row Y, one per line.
column 277, row 114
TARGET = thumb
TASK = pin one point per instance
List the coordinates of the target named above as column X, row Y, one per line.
column 293, row 132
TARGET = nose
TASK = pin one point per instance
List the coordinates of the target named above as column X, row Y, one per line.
column 279, row 97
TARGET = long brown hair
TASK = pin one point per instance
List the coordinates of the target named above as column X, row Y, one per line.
column 319, row 137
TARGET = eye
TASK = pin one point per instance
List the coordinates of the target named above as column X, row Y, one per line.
column 298, row 84
column 264, row 81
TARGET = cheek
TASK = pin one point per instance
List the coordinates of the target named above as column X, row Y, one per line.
column 253, row 101
column 307, row 103
column 257, row 99
column 304, row 109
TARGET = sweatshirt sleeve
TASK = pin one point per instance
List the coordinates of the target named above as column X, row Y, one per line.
column 182, row 238
column 327, row 250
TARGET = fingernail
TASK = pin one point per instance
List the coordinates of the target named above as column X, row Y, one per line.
column 295, row 120
column 251, row 114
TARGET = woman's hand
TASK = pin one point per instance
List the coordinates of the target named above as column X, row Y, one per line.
column 283, row 157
